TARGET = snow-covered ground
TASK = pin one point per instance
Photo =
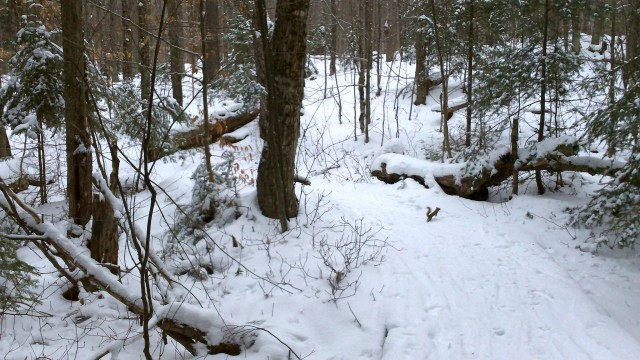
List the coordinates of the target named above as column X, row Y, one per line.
column 362, row 274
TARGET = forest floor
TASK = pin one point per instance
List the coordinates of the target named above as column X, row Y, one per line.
column 483, row 280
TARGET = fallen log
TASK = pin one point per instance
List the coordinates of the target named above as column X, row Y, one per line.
column 185, row 323
column 554, row 155
column 451, row 109
column 195, row 138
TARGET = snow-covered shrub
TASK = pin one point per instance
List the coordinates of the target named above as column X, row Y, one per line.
column 212, row 201
column 33, row 90
column 613, row 214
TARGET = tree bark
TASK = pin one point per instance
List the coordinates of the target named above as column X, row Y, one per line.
column 285, row 87
column 144, row 47
column 176, row 58
column 209, row 53
column 78, row 141
column 333, row 41
column 575, row 32
column 543, row 90
column 5, row 147
column 368, row 55
column 598, row 26
column 421, row 75
column 127, row 41
column 212, row 56
column 470, row 54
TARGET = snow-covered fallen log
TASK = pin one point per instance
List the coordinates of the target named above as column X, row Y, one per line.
column 195, row 138
column 472, row 181
column 187, row 324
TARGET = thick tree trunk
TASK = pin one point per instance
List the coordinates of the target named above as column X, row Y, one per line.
column 176, row 58
column 79, row 159
column 285, row 86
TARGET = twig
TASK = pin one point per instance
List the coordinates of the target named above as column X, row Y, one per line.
column 354, row 315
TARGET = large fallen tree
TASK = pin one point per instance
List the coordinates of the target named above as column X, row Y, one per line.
column 473, row 180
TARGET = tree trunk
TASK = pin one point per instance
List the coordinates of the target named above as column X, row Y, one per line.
column 261, row 77
column 444, row 96
column 598, row 26
column 333, row 42
column 368, row 55
column 631, row 70
column 543, row 91
column 176, row 58
column 390, row 31
column 144, row 50
column 470, row 53
column 575, row 32
column 210, row 63
column 103, row 244
column 612, row 51
column 79, row 159
column 5, row 147
column 285, row 86
column 127, row 41
column 421, row 76
column 212, row 40
column 515, row 133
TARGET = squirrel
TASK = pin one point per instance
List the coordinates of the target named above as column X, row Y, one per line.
column 431, row 214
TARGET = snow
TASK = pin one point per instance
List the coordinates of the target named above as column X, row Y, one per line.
column 482, row 280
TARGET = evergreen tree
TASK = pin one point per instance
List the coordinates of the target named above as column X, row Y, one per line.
column 614, row 213
column 33, row 91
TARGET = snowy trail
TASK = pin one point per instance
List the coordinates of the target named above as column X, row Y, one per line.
column 461, row 288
